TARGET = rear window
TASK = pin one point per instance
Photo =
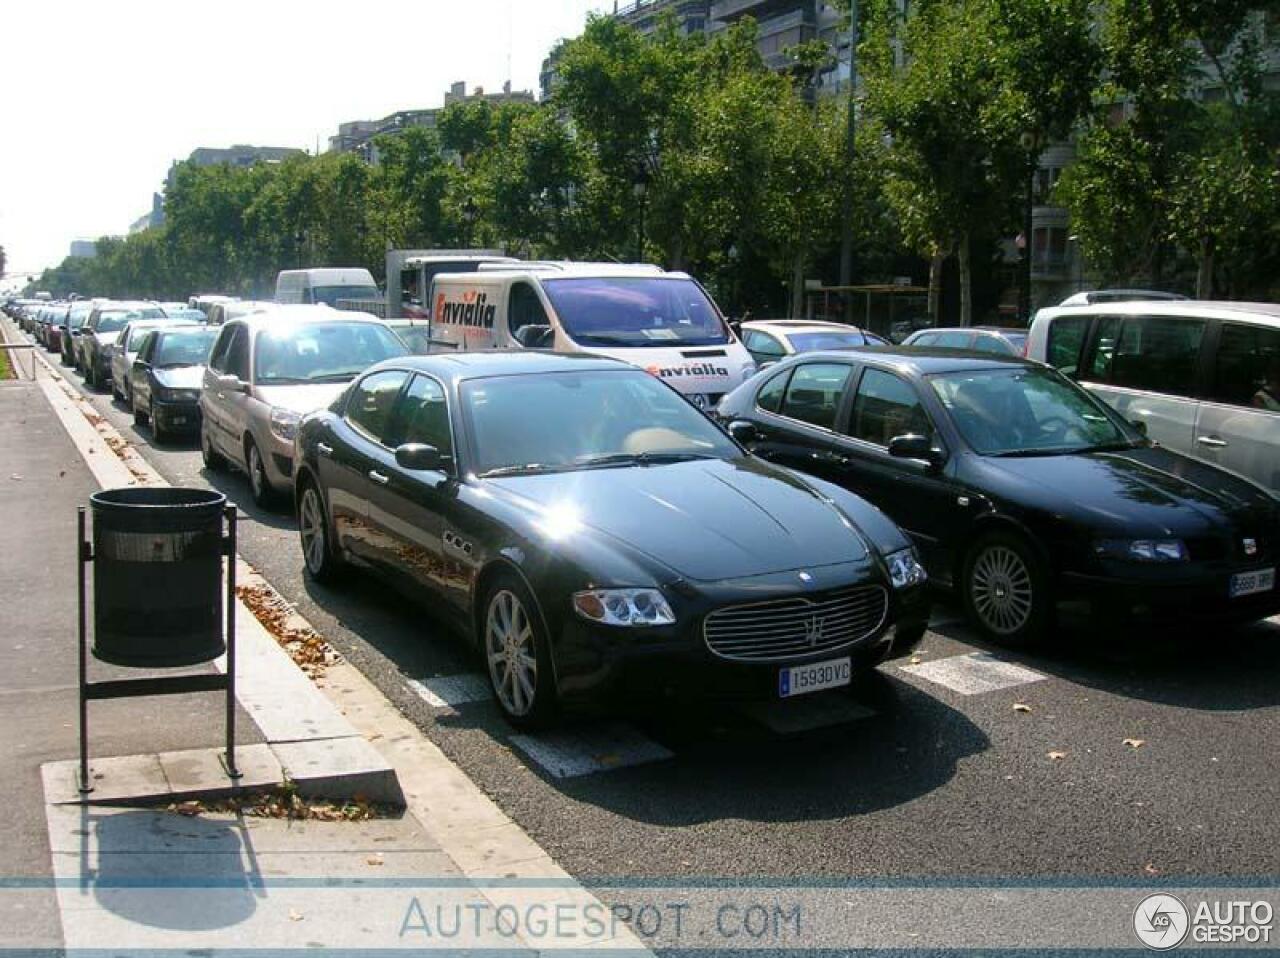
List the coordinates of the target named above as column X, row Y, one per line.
column 1247, row 367
column 1157, row 354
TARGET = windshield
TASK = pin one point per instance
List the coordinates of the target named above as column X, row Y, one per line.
column 563, row 421
column 636, row 311
column 113, row 322
column 185, row 313
column 1020, row 411
column 76, row 318
column 834, row 339
column 321, row 352
column 331, row 294
column 183, row 348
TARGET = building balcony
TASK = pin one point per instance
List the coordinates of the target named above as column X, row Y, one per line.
column 801, row 17
column 732, row 9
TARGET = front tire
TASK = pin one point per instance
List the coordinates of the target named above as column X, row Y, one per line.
column 159, row 435
column 319, row 548
column 264, row 496
column 1006, row 590
column 517, row 656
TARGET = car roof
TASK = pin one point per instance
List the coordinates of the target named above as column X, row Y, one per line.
column 922, row 361
column 482, row 364
column 502, row 272
column 1002, row 330
column 1268, row 313
column 800, row 325
column 300, row 313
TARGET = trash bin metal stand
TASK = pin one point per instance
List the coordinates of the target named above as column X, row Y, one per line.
column 175, row 685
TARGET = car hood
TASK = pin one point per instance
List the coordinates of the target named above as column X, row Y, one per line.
column 706, row 519
column 300, row 399
column 1146, row 491
column 180, row 377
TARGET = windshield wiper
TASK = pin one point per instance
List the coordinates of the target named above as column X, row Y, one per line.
column 640, row 458
column 524, row 468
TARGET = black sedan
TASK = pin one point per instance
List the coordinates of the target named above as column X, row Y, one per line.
column 165, row 380
column 1018, row 486
column 596, row 535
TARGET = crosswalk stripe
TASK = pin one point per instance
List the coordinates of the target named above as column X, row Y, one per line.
column 449, row 691
column 569, row 753
column 973, row 674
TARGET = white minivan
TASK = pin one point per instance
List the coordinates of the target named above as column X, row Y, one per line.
column 663, row 322
column 1202, row 377
column 325, row 285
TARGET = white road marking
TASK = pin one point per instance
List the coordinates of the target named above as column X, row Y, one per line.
column 809, row 712
column 450, row 691
column 974, row 673
column 573, row 752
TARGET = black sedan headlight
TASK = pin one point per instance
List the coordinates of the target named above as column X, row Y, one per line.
column 626, row 607
column 1142, row 550
column 905, row 569
column 165, row 394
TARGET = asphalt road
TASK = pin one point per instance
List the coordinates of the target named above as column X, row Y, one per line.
column 917, row 778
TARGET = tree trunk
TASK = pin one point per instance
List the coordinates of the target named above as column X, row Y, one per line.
column 1204, row 272
column 966, row 282
column 935, row 284
column 797, row 286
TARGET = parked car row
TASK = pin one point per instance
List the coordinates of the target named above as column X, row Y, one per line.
column 589, row 476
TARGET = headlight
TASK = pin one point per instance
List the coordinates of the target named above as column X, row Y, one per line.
column 177, row 395
column 635, row 607
column 284, row 423
column 1143, row 550
column 905, row 569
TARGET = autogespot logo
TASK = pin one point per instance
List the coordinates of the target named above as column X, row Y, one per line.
column 1161, row 922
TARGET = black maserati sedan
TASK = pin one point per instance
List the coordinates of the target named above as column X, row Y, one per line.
column 597, row 536
column 1019, row 487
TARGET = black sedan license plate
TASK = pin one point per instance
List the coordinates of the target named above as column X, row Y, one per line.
column 801, row 679
column 1251, row 583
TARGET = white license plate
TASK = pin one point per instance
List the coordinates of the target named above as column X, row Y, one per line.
column 801, row 679
column 1251, row 583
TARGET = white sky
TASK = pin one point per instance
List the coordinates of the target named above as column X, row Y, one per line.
column 97, row 97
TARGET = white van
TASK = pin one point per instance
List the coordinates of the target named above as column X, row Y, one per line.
column 325, row 285
column 662, row 322
column 1202, row 377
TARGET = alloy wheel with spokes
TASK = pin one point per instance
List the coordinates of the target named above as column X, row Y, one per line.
column 513, row 665
column 259, row 484
column 1006, row 590
column 313, row 530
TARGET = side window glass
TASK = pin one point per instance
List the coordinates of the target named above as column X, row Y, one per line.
column 1104, row 350
column 928, row 339
column 237, row 362
column 763, row 344
column 424, row 416
column 813, row 395
column 1158, row 354
column 525, row 310
column 992, row 344
column 373, row 401
column 887, row 407
column 954, row 340
column 218, row 355
column 1066, row 339
column 770, row 396
column 1247, row 367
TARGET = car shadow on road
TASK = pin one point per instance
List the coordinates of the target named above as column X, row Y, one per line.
column 1205, row 667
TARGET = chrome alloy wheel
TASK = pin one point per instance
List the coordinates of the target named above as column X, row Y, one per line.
column 513, row 664
column 311, row 530
column 1001, row 590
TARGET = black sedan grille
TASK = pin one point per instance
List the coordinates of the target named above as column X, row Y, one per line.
column 796, row 627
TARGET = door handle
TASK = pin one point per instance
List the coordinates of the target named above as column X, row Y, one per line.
column 1213, row 442
column 378, row 477
column 324, row 449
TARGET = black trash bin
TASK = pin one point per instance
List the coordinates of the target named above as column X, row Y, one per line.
column 157, row 576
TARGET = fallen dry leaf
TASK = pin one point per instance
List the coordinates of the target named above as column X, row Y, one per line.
column 1135, row 742
column 295, row 915
column 1057, row 756
column 1021, row 707
column 915, row 660
column 373, row 860
column 1150, row 869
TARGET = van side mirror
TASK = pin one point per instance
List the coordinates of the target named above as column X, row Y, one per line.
column 419, row 457
column 913, row 446
column 743, row 432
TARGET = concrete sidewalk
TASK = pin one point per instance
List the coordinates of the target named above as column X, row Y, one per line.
column 452, row 872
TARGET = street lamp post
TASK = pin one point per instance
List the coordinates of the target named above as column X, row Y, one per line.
column 1032, row 142
column 639, row 189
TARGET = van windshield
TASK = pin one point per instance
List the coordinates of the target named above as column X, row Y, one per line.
column 330, row 295
column 634, row 311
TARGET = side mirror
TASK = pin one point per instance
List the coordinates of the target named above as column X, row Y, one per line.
column 916, row 447
column 419, row 457
column 1139, row 425
column 233, row 384
column 743, row 432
